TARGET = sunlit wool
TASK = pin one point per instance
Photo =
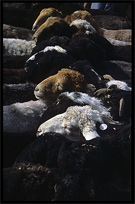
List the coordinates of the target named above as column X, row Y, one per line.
column 77, row 121
column 22, row 117
column 18, row 47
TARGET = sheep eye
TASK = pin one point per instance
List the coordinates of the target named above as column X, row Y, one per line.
column 103, row 126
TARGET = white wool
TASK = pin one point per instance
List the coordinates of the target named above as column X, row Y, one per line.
column 33, row 56
column 85, row 99
column 23, row 117
column 56, row 47
column 120, row 84
column 83, row 23
column 49, row 48
column 51, row 126
column 118, row 42
column 17, row 47
column 75, row 122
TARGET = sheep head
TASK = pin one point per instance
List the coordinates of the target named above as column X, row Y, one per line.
column 64, row 80
column 51, row 27
column 79, row 122
column 82, row 15
column 44, row 14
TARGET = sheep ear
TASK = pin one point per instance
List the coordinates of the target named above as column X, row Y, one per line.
column 109, row 120
column 91, row 89
column 60, row 86
column 89, row 135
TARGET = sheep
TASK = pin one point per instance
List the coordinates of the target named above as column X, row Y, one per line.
column 119, row 42
column 17, row 47
column 18, row 93
column 37, row 152
column 61, row 41
column 14, row 76
column 123, row 53
column 64, row 80
column 82, row 18
column 125, row 67
column 32, row 189
column 111, row 22
column 117, row 95
column 119, row 84
column 47, row 62
column 23, row 117
column 96, row 38
column 16, row 32
column 83, row 25
column 84, row 48
column 78, row 122
column 87, row 69
column 63, row 101
column 53, row 26
column 44, row 14
column 122, row 50
column 122, row 35
column 119, row 70
column 14, row 62
column 71, row 170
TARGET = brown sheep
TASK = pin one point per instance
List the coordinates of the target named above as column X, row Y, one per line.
column 64, row 80
column 122, row 34
column 16, row 32
column 52, row 26
column 83, row 15
column 44, row 14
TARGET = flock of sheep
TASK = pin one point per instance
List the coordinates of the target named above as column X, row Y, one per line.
column 67, row 104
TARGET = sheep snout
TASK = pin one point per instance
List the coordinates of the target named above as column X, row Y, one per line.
column 34, row 27
column 38, row 93
column 39, row 132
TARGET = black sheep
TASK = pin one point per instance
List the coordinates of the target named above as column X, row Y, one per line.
column 55, row 40
column 87, row 69
column 86, row 49
column 43, row 151
column 115, row 69
column 95, row 170
column 98, row 39
column 46, row 64
column 14, row 62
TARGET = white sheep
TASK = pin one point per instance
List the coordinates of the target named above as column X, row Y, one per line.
column 79, row 23
column 18, row 47
column 78, row 121
column 23, row 117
